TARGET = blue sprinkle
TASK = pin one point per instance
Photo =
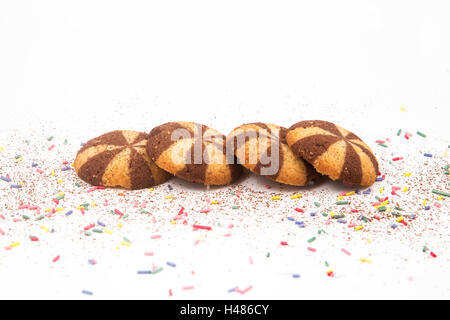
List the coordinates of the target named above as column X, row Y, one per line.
column 427, row 207
column 34, row 165
column 87, row 292
column 68, row 213
column 394, row 226
column 5, row 179
column 301, row 225
column 313, row 214
column 299, row 222
column 169, row 186
column 413, row 216
column 171, row 264
column 291, row 218
column 52, row 231
column 341, row 220
column 429, row 155
column 232, row 289
column 295, row 275
column 379, row 179
column 357, row 191
column 367, row 191
column 144, row 272
column 101, row 224
column 16, row 186
column 82, row 144
column 91, row 261
column 65, row 168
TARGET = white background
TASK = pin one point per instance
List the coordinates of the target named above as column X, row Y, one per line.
column 86, row 67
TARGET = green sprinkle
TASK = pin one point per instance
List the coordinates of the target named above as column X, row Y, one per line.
column 25, row 217
column 395, row 214
column 377, row 197
column 382, row 208
column 317, row 204
column 27, row 142
column 232, row 193
column 311, row 239
column 144, row 211
column 398, row 208
column 77, row 184
column 399, row 132
column 235, row 207
column 268, row 254
column 60, row 197
column 125, row 216
column 421, row 134
column 157, row 270
column 424, row 249
column 126, row 239
column 40, row 217
column 320, row 231
column 325, row 214
column 383, row 145
column 31, row 236
column 18, row 156
column 326, row 264
column 97, row 230
column 85, row 205
column 442, row 193
column 339, row 216
column 342, row 202
column 87, row 233
column 112, row 212
column 65, row 141
column 364, row 219
column 50, row 138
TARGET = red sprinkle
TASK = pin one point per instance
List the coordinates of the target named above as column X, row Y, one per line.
column 299, row 210
column 397, row 158
column 56, row 258
column 196, row 226
column 118, row 212
column 312, row 249
column 433, row 254
column 51, row 147
column 284, row 243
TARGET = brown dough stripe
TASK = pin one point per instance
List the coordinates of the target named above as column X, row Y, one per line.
column 118, row 158
column 193, row 152
column 255, row 142
column 323, row 143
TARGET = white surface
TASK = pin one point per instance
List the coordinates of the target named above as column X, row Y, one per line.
column 76, row 70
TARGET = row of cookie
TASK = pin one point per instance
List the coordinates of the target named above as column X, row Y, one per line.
column 200, row 154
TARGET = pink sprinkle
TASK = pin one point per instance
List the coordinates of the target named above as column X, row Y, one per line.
column 55, row 200
column 155, row 236
column 230, row 226
column 96, row 188
column 144, row 204
column 170, row 292
column 25, row 206
column 267, row 186
column 351, row 225
column 188, row 287
column 311, row 249
column 284, row 243
column 196, row 242
column 438, row 205
column 250, row 259
column 106, row 203
column 51, row 147
column 118, row 212
column 377, row 217
column 227, row 235
column 388, row 140
column 327, row 222
column 148, row 254
column 196, row 226
column 2, row 232
column 56, row 258
column 243, row 291
column 39, row 171
column 346, row 252
column 380, row 141
column 7, row 248
column 2, row 216
column 136, row 204
column 205, row 210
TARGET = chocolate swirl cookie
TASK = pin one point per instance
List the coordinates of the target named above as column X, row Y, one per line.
column 193, row 152
column 333, row 151
column 263, row 150
column 118, row 158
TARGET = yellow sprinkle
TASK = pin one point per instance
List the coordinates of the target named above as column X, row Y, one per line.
column 440, row 198
column 117, row 248
column 1, row 149
column 407, row 174
column 173, row 222
column 19, row 159
column 60, row 194
column 169, row 197
column 124, row 243
column 120, row 225
column 332, row 213
column 48, row 210
column 107, row 231
column 445, row 154
column 45, row 228
column 400, row 219
column 381, row 190
column 358, row 228
column 151, row 189
column 80, row 207
column 350, row 193
column 369, row 240
column 214, row 202
column 365, row 260
column 296, row 196
column 52, row 172
column 15, row 244
column 401, row 108
column 59, row 209
column 276, row 198
column 405, row 189
column 340, row 198
column 60, row 180
column 425, row 202
column 93, row 203
column 388, row 209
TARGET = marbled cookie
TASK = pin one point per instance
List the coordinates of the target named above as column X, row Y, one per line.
column 263, row 150
column 118, row 158
column 193, row 152
column 333, row 151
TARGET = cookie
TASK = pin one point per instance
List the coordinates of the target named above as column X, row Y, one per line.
column 333, row 151
column 193, row 152
column 263, row 150
column 118, row 158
